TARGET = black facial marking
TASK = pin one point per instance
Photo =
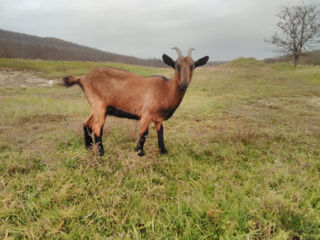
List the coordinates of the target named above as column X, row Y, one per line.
column 98, row 141
column 119, row 113
column 179, row 70
column 161, row 145
column 88, row 137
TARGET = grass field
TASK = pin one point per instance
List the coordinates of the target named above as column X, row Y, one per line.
column 243, row 162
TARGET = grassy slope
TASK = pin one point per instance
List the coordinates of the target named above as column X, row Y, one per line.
column 59, row 69
column 243, row 160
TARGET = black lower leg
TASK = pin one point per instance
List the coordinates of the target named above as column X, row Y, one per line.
column 163, row 149
column 98, row 142
column 87, row 137
column 141, row 142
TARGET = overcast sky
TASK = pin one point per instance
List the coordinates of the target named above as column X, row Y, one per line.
column 222, row 29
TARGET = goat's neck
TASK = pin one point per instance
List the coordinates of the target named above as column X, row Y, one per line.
column 175, row 92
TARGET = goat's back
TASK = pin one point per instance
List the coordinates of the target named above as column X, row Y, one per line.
column 124, row 90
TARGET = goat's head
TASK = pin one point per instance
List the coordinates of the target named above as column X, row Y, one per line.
column 184, row 66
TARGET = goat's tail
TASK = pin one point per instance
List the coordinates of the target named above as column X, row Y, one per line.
column 70, row 81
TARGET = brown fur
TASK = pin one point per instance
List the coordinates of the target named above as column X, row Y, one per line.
column 152, row 99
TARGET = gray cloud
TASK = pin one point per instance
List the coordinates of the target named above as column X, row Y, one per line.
column 144, row 28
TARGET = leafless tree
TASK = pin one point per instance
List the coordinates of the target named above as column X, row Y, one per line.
column 297, row 30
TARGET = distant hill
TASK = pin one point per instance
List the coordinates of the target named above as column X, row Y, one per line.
column 18, row 45
column 310, row 58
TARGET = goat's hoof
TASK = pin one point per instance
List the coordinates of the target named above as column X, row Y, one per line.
column 89, row 147
column 163, row 151
column 100, row 154
column 141, row 153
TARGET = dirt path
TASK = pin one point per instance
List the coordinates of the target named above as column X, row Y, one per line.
column 13, row 78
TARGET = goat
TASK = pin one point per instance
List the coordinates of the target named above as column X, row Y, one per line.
column 119, row 93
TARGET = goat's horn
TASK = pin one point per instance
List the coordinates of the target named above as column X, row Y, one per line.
column 190, row 52
column 178, row 51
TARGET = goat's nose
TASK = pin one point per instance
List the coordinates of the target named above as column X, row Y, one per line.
column 183, row 86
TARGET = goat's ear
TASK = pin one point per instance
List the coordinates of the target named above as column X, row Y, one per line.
column 168, row 60
column 201, row 61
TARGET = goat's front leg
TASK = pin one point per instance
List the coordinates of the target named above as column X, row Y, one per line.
column 144, row 130
column 98, row 141
column 159, row 128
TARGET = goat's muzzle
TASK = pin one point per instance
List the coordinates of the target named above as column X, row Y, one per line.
column 183, row 86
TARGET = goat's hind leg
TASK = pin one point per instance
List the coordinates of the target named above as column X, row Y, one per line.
column 99, row 118
column 87, row 130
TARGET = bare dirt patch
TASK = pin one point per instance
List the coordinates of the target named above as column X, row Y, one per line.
column 315, row 101
column 14, row 78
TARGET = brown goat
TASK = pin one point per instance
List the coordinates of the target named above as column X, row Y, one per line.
column 120, row 93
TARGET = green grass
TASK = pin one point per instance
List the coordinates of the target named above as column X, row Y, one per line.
column 243, row 162
column 59, row 69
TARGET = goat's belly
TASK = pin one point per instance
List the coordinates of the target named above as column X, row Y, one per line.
column 120, row 113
